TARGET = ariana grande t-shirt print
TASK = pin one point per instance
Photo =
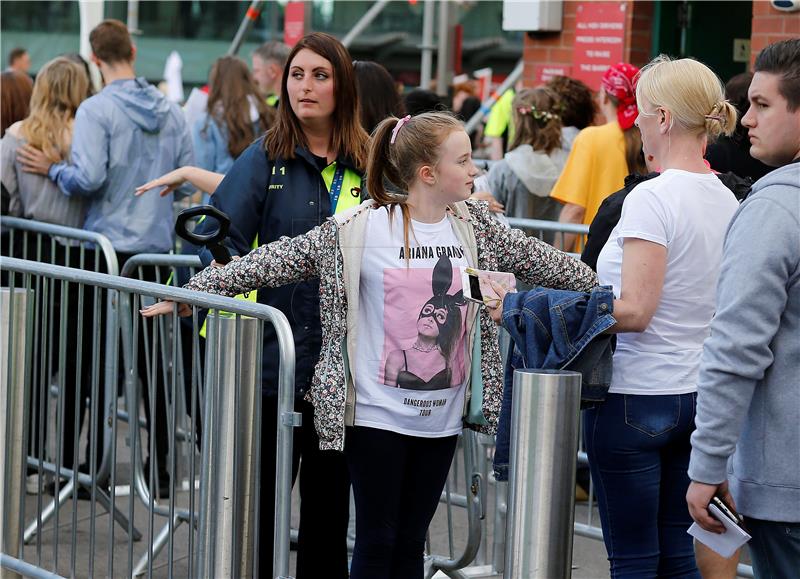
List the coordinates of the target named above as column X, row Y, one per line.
column 411, row 359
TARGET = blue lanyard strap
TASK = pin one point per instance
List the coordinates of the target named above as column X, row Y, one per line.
column 336, row 186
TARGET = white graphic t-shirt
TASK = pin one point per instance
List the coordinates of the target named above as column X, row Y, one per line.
column 411, row 359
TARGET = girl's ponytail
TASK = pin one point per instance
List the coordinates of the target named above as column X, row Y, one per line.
column 379, row 164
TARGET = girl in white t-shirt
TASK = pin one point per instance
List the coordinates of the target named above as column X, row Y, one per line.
column 663, row 261
column 398, row 376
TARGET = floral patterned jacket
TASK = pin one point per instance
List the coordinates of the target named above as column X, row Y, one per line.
column 332, row 252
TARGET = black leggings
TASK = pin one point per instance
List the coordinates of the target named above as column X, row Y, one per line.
column 397, row 481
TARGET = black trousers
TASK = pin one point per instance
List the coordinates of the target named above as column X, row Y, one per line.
column 324, row 497
column 397, row 482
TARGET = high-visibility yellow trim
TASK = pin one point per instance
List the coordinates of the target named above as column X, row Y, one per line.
column 350, row 195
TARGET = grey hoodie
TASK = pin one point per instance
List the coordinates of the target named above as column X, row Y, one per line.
column 125, row 136
column 522, row 181
column 748, row 394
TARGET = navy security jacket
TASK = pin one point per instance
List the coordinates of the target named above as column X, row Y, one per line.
column 268, row 199
column 556, row 330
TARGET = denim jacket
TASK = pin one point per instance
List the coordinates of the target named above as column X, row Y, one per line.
column 556, row 330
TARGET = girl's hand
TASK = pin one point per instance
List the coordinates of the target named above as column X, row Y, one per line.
column 494, row 303
column 170, row 182
column 494, row 205
column 164, row 308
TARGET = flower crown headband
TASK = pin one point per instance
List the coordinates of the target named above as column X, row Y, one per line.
column 542, row 116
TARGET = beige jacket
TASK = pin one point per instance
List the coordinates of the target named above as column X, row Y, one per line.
column 332, row 252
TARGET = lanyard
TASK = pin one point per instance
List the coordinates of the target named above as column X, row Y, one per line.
column 336, row 186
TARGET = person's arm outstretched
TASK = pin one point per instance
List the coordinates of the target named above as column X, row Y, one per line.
column 207, row 181
column 287, row 260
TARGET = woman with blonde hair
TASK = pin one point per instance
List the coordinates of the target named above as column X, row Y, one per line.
column 522, row 180
column 60, row 87
column 662, row 260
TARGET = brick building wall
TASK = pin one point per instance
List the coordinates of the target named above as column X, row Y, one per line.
column 771, row 25
column 556, row 48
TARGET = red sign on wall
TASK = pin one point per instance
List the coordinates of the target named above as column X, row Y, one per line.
column 599, row 40
column 294, row 22
column 545, row 72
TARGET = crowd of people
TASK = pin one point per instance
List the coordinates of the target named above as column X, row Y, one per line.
column 354, row 208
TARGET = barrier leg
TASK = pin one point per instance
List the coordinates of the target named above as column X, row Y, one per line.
column 157, row 546
column 541, row 501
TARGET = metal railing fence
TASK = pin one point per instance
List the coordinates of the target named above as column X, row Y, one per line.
column 540, row 227
column 224, row 506
column 478, row 550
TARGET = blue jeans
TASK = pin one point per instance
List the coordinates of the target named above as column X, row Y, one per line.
column 775, row 548
column 638, row 449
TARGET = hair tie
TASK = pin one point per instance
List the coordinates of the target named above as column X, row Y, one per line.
column 398, row 126
column 541, row 116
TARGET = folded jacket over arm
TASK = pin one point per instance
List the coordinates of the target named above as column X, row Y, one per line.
column 556, row 330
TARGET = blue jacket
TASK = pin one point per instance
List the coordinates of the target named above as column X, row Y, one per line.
column 210, row 140
column 125, row 136
column 267, row 199
column 556, row 330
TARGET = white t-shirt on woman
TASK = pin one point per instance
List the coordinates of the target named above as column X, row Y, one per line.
column 411, row 358
column 688, row 213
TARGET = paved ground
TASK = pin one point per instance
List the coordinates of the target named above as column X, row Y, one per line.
column 100, row 548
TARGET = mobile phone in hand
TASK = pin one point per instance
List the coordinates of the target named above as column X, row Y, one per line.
column 725, row 510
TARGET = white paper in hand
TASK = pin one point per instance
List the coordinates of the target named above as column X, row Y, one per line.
column 726, row 543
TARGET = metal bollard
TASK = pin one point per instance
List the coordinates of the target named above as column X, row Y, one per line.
column 541, row 500
column 228, row 486
column 13, row 407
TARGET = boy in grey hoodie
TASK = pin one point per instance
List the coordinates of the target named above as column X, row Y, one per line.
column 747, row 444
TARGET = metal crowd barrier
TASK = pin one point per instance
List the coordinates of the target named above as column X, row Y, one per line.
column 165, row 270
column 541, row 228
column 55, row 244
column 479, row 551
column 218, row 537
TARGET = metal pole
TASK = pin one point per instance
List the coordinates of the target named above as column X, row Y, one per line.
column 249, row 19
column 133, row 17
column 288, row 419
column 444, row 66
column 13, row 405
column 427, row 48
column 486, row 106
column 365, row 21
column 228, row 490
column 541, row 501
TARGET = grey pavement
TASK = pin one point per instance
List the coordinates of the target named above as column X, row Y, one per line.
column 101, row 548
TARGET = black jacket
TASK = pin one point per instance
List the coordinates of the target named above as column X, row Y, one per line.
column 610, row 211
column 270, row 199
